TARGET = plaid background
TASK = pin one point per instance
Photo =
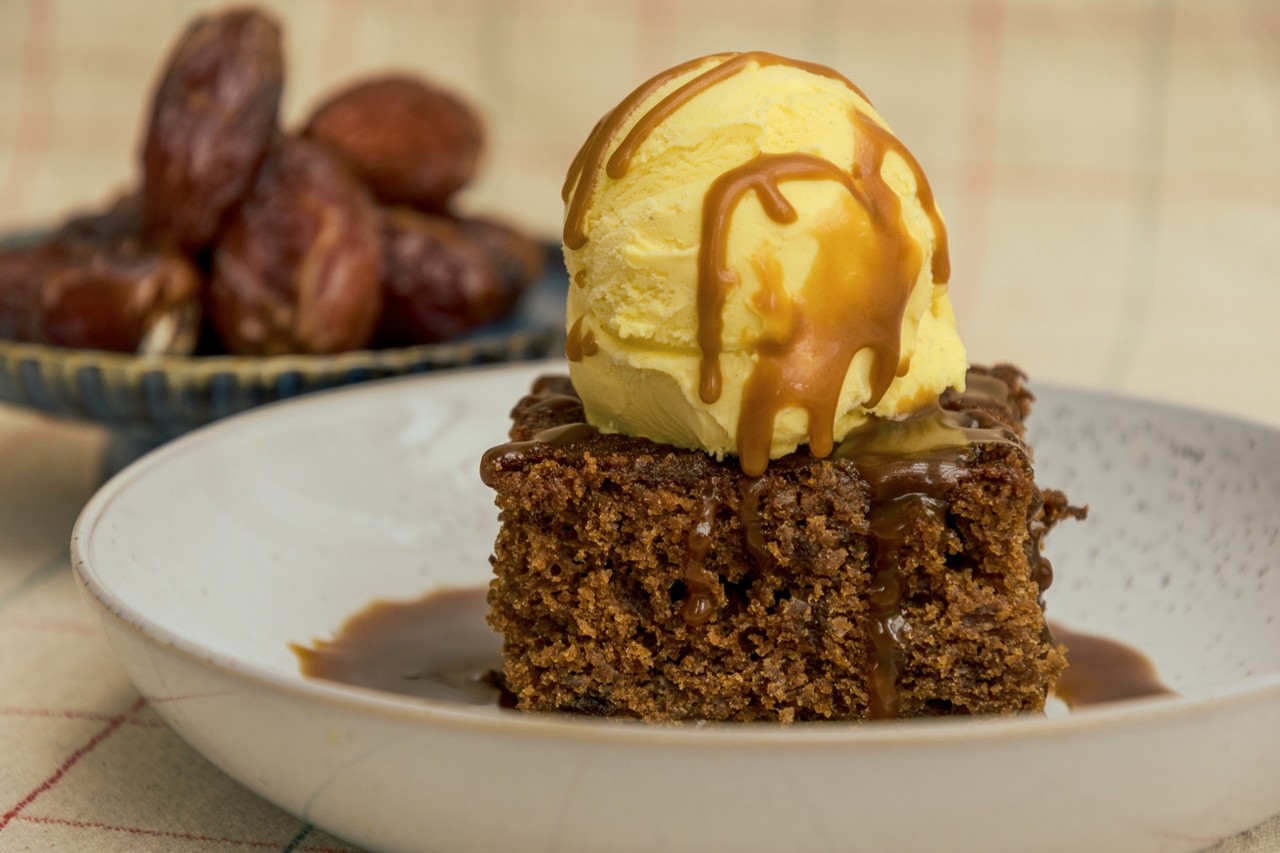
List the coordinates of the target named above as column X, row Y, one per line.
column 1108, row 171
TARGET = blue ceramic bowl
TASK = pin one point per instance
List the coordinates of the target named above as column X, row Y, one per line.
column 146, row 400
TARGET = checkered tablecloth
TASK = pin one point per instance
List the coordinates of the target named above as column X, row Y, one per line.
column 1108, row 170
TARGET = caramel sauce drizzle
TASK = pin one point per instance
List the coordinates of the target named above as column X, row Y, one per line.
column 909, row 466
column 753, row 524
column 620, row 160
column 579, row 344
column 564, row 435
column 555, row 404
column 585, row 168
column 700, row 584
column 1101, row 670
column 548, row 384
column 854, row 298
column 805, row 355
column 988, row 387
column 890, row 526
column 1041, row 568
column 882, row 142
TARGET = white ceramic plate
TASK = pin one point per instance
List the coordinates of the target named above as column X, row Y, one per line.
column 209, row 556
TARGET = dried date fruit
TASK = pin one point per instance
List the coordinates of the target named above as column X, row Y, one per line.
column 439, row 281
column 105, row 297
column 22, row 272
column 409, row 142
column 214, row 115
column 119, row 226
column 143, row 303
column 298, row 269
column 518, row 260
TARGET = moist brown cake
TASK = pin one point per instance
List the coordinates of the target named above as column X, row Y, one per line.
column 900, row 577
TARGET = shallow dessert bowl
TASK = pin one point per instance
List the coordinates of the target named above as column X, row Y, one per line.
column 207, row 558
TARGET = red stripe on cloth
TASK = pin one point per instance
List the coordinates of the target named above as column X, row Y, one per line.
column 45, row 713
column 343, row 19
column 986, row 43
column 656, row 24
column 35, row 123
column 1200, row 189
column 104, row 733
column 53, row 626
column 184, row 836
column 184, row 697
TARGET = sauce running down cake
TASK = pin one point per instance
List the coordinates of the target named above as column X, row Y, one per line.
column 771, row 488
column 899, row 577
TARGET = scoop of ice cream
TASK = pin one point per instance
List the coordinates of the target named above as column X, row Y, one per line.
column 757, row 263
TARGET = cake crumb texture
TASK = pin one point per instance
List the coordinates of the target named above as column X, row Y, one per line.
column 604, row 539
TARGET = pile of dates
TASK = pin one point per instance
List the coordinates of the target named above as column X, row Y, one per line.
column 247, row 239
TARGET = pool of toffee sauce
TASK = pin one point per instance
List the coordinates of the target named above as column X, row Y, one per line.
column 439, row 647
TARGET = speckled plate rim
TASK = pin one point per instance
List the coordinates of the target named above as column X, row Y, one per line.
column 1114, row 716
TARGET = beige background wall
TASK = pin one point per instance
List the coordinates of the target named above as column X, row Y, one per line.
column 1109, row 169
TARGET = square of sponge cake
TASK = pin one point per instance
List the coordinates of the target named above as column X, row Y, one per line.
column 899, row 577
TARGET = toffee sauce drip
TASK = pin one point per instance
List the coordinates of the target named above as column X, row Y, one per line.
column 551, row 403
column 580, row 344
column 753, row 524
column 700, row 584
column 854, row 299
column 890, row 527
column 989, row 388
column 1101, row 670
column 1041, row 568
column 910, row 467
column 584, row 169
column 804, row 363
column 436, row 647
column 561, row 436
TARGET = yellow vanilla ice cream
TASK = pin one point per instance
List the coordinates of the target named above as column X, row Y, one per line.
column 757, row 263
